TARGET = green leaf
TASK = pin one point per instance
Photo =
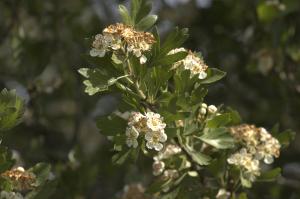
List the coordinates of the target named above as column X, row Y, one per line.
column 44, row 191
column 125, row 15
column 140, row 9
column 171, row 195
column 147, row 22
column 11, row 109
column 243, row 196
column 269, row 176
column 120, row 157
column 174, row 40
column 97, row 80
column 200, row 158
column 158, row 186
column 6, row 161
column 285, row 137
column 169, row 60
column 171, row 132
column 112, row 125
column 213, row 75
column 217, row 137
column 42, row 171
column 218, row 121
column 267, row 13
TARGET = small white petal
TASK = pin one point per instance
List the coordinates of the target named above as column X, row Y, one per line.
column 212, row 109
column 158, row 146
column 143, row 59
column 149, row 136
column 150, row 145
column 268, row 159
column 202, row 75
column 163, row 137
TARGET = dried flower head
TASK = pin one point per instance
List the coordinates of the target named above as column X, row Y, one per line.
column 258, row 141
column 120, row 36
column 21, row 179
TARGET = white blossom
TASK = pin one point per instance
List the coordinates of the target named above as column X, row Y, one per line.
column 132, row 134
column 154, row 121
column 155, row 139
column 158, row 167
column 212, row 109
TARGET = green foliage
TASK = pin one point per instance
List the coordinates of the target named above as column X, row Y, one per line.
column 11, row 110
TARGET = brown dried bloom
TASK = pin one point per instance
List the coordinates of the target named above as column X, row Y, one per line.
column 120, row 35
column 21, row 179
column 258, row 141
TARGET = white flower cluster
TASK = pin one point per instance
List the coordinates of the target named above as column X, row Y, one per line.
column 158, row 165
column 247, row 161
column 151, row 125
column 258, row 145
column 192, row 62
column 119, row 36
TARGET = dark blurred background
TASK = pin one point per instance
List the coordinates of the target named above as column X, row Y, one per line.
column 41, row 46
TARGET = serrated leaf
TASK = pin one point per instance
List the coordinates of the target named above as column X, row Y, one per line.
column 11, row 109
column 146, row 23
column 214, row 75
column 217, row 137
column 174, row 40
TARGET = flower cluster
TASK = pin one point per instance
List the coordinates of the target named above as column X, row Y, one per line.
column 122, row 37
column 258, row 145
column 21, row 179
column 159, row 166
column 247, row 161
column 258, row 141
column 151, row 125
column 192, row 62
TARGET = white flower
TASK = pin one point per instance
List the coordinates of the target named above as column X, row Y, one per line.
column 212, row 109
column 143, row 59
column 154, row 121
column 97, row 53
column 132, row 134
column 155, row 139
column 158, row 167
column 202, row 75
column 202, row 111
column 169, row 150
column 223, row 194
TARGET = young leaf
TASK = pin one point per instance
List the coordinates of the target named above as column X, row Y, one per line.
column 218, row 121
column 11, row 109
column 174, row 40
column 121, row 157
column 125, row 15
column 146, row 23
